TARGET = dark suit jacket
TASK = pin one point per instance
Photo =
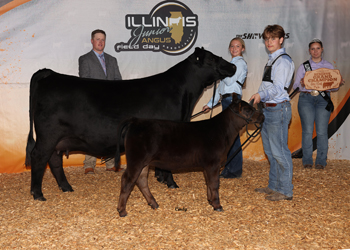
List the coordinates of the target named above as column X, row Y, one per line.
column 90, row 67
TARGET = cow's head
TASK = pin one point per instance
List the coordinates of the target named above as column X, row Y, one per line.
column 211, row 66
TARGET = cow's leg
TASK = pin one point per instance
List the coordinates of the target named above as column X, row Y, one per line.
column 142, row 183
column 40, row 156
column 160, row 175
column 128, row 182
column 170, row 180
column 56, row 166
column 165, row 176
column 213, row 183
column 157, row 172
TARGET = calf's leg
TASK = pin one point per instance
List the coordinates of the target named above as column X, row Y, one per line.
column 142, row 183
column 213, row 183
column 208, row 189
column 128, row 181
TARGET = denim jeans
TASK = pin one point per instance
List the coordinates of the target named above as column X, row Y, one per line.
column 235, row 165
column 312, row 109
column 274, row 136
column 90, row 162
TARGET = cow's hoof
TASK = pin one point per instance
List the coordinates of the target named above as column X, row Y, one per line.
column 173, row 186
column 160, row 179
column 42, row 198
column 122, row 213
column 220, row 209
column 154, row 206
column 64, row 190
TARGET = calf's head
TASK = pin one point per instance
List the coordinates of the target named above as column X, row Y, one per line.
column 246, row 111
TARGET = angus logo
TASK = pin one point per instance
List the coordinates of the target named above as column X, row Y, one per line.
column 171, row 28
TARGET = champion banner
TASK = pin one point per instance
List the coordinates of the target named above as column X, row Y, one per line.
column 148, row 37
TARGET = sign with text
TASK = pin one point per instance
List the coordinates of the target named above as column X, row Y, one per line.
column 171, row 27
column 322, row 79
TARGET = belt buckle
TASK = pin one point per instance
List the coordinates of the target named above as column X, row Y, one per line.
column 314, row 93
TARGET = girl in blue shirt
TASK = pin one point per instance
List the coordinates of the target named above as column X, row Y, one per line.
column 227, row 86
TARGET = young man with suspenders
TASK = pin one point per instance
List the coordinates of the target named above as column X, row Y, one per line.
column 273, row 92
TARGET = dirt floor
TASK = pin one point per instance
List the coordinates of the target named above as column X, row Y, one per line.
column 318, row 217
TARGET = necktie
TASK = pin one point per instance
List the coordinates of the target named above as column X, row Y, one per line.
column 103, row 63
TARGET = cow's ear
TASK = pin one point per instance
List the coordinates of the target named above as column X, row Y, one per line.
column 197, row 52
column 198, row 56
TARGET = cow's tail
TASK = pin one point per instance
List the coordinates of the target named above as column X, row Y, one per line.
column 122, row 129
column 33, row 86
column 30, row 146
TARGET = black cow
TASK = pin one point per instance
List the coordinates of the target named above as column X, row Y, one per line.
column 174, row 145
column 73, row 114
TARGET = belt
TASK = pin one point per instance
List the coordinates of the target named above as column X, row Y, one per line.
column 313, row 92
column 225, row 96
column 272, row 104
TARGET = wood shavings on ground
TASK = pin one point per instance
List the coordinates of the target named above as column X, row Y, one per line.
column 318, row 217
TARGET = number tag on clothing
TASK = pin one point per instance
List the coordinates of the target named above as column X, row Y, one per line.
column 267, row 74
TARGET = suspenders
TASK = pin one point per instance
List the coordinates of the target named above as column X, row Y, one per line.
column 268, row 69
column 330, row 106
column 239, row 83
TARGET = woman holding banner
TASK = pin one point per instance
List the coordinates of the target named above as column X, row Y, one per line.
column 314, row 107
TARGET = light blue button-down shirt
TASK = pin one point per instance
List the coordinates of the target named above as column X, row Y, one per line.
column 281, row 75
column 229, row 84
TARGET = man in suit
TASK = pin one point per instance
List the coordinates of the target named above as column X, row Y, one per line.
column 99, row 65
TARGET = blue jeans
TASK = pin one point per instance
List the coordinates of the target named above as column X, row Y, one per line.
column 274, row 136
column 312, row 109
column 235, row 165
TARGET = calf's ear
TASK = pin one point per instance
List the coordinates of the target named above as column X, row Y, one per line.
column 235, row 98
